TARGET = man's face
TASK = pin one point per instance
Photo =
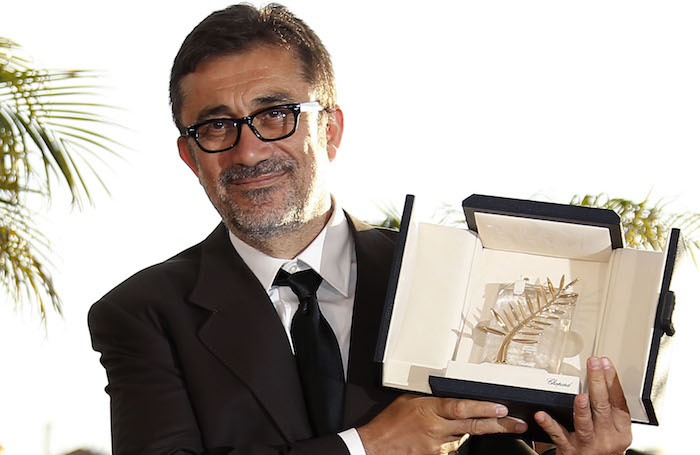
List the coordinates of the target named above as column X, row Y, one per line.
column 260, row 188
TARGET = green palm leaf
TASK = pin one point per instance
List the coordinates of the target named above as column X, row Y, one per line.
column 646, row 224
column 50, row 134
column 39, row 111
column 22, row 271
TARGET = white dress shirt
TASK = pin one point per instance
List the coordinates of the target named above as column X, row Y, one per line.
column 331, row 255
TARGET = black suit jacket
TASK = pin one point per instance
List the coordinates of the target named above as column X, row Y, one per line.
column 198, row 362
column 197, row 359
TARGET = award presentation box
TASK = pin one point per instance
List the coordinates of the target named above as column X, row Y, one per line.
column 438, row 292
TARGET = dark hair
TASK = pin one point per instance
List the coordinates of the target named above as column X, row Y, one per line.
column 239, row 28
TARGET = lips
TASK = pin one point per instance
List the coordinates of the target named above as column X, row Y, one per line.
column 262, row 174
column 259, row 181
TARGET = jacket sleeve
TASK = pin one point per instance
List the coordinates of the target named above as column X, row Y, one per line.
column 151, row 411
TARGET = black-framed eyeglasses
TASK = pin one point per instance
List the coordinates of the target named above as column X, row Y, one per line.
column 269, row 124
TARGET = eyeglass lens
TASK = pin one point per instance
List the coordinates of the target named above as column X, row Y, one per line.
column 270, row 124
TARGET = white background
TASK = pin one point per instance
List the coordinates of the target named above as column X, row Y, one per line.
column 537, row 99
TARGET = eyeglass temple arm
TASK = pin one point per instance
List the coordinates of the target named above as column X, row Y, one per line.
column 310, row 106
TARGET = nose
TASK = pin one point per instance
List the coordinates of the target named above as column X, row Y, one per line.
column 250, row 150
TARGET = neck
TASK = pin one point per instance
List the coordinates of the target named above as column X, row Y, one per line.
column 288, row 244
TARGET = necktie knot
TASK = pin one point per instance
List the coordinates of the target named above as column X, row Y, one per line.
column 304, row 284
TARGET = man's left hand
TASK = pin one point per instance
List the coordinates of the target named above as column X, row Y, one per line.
column 601, row 420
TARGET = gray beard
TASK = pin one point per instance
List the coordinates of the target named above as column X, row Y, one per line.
column 260, row 226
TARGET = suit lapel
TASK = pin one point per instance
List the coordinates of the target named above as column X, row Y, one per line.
column 364, row 396
column 246, row 334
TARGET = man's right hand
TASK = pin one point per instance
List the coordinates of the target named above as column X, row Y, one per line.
column 430, row 425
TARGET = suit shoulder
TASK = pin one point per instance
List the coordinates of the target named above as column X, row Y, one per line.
column 365, row 230
column 390, row 234
column 173, row 277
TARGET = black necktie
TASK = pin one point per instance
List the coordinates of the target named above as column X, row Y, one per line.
column 317, row 353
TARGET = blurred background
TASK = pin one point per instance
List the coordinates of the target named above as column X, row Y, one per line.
column 538, row 99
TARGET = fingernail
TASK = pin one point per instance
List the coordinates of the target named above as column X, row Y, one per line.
column 501, row 411
column 607, row 364
column 539, row 417
column 521, row 427
column 594, row 363
column 583, row 401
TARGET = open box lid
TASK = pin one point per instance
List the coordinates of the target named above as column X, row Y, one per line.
column 481, row 210
column 489, row 217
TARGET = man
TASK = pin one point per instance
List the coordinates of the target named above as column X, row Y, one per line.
column 224, row 348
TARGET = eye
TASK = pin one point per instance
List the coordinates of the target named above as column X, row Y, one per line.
column 276, row 114
column 217, row 127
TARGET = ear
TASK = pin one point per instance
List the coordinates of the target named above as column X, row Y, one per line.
column 186, row 154
column 334, row 132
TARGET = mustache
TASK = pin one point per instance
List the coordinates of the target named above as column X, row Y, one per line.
column 271, row 165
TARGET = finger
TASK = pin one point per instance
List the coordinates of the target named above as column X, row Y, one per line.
column 606, row 363
column 487, row 426
column 615, row 392
column 456, row 409
column 558, row 433
column 583, row 420
column 598, row 391
column 620, row 411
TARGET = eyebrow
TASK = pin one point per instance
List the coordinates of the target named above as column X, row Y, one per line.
column 258, row 103
column 212, row 112
column 271, row 99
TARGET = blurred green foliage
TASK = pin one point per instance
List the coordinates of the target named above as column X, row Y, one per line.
column 49, row 135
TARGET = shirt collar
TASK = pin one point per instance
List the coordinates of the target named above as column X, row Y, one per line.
column 329, row 254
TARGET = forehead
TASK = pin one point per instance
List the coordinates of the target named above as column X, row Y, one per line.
column 244, row 81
